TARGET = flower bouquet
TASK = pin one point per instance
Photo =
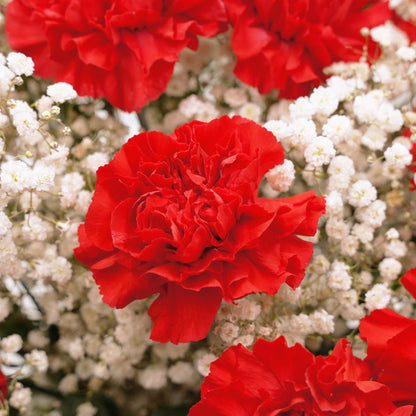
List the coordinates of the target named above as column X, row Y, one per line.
column 220, row 189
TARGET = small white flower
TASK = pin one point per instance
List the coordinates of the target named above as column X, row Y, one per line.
column 204, row 363
column 34, row 228
column 190, row 106
column 392, row 234
column 71, row 185
column 349, row 245
column 251, row 111
column 38, row 359
column 337, row 128
column 86, row 409
column 153, row 378
column 5, row 224
column 341, row 87
column 60, row 269
column 5, row 308
column 12, row 343
column 282, row 176
column 206, row 112
column 304, row 131
column 61, row 92
column 339, row 183
column 15, row 176
column 378, row 297
column 362, row 193
column 20, row 64
column 382, row 73
column 110, row 353
column 235, row 97
column 334, row 204
column 396, row 249
column 279, row 128
column 393, row 172
column 94, row 161
column 43, row 177
column 68, row 384
column 247, row 309
column 182, row 373
column 24, row 118
column 339, row 278
column 301, row 324
column 398, row 156
column 342, row 165
column 227, row 332
column 363, row 232
column 319, row 152
column 390, row 268
column 322, row 322
column 324, row 100
column 388, row 118
column 406, row 53
column 388, row 34
column 373, row 215
column 21, row 397
column 374, row 138
column 6, row 78
column 336, row 228
column 364, row 105
column 302, row 108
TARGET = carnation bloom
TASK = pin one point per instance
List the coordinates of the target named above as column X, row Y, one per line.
column 121, row 50
column 276, row 380
column 179, row 215
column 286, row 44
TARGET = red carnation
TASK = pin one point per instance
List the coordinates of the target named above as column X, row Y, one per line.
column 286, row 44
column 3, row 387
column 122, row 50
column 275, row 380
column 391, row 352
column 179, row 215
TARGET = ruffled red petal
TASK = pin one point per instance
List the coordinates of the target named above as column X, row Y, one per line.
column 285, row 45
column 123, row 50
column 181, row 315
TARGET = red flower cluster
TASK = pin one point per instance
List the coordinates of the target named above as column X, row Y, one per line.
column 285, row 44
column 122, row 50
column 179, row 215
column 3, row 387
column 391, row 352
column 275, row 380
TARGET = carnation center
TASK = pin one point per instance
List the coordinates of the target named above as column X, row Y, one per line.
column 181, row 225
